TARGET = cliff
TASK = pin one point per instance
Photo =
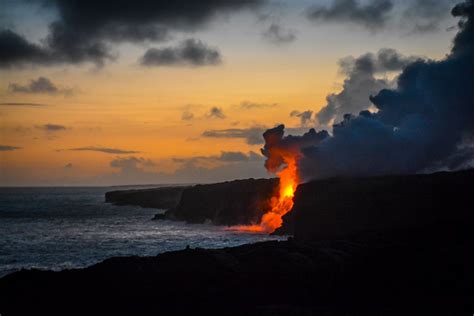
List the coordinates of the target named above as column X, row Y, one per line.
column 341, row 207
column 161, row 198
column 238, row 202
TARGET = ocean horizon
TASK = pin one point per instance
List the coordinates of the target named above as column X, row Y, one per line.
column 56, row 228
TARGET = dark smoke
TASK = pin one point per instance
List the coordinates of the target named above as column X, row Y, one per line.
column 426, row 122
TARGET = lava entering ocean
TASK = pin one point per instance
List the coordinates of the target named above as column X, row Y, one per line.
column 280, row 204
column 283, row 154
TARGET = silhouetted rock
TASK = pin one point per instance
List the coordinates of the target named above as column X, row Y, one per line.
column 238, row 202
column 341, row 207
column 162, row 198
column 411, row 273
column 159, row 216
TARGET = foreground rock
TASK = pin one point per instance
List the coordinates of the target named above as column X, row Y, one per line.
column 161, row 198
column 421, row 272
column 239, row 202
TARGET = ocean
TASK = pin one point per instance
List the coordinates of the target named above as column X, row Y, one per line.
column 72, row 227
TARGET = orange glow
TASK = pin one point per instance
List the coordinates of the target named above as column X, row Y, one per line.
column 281, row 204
column 284, row 203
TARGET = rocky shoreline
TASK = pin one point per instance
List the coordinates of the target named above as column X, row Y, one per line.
column 394, row 245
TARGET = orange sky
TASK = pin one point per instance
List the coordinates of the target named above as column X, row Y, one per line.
column 126, row 106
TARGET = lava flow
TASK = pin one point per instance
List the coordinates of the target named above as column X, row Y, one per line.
column 280, row 204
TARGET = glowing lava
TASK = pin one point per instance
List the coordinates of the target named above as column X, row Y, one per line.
column 280, row 204
column 284, row 202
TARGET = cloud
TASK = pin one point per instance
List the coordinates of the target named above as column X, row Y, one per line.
column 416, row 16
column 22, row 104
column 40, row 85
column 106, row 150
column 371, row 15
column 277, row 34
column 225, row 157
column 9, row 148
column 253, row 135
column 249, row 105
column 425, row 122
column 305, row 117
column 16, row 50
column 52, row 127
column 361, row 82
column 198, row 169
column 424, row 16
column 187, row 116
column 84, row 31
column 216, row 112
column 68, row 166
column 190, row 52
column 131, row 164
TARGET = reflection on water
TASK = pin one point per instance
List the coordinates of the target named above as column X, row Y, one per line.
column 58, row 228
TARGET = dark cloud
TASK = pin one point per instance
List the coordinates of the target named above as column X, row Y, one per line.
column 253, row 135
column 248, row 105
column 191, row 52
column 52, row 127
column 16, row 50
column 85, row 30
column 414, row 16
column 216, row 112
column 425, row 120
column 305, row 117
column 22, row 104
column 9, row 148
column 106, row 150
column 360, row 83
column 187, row 116
column 277, row 145
column 424, row 16
column 277, row 34
column 40, row 85
column 372, row 15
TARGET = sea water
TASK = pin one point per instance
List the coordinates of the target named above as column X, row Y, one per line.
column 70, row 227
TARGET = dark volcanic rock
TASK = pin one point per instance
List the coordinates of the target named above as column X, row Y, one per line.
column 415, row 273
column 338, row 208
column 238, row 202
column 162, row 198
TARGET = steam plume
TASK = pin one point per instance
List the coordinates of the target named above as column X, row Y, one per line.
column 426, row 122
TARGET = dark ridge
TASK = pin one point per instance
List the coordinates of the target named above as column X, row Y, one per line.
column 238, row 202
column 161, row 198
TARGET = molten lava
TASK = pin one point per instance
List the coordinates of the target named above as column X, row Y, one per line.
column 280, row 204
column 284, row 202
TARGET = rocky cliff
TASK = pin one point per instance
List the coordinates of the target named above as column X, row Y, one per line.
column 338, row 208
column 238, row 202
column 161, row 198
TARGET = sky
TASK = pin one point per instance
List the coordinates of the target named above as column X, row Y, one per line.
column 149, row 92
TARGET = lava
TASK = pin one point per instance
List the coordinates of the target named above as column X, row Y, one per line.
column 280, row 204
column 284, row 202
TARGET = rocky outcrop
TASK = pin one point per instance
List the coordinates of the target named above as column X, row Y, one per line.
column 339, row 208
column 416, row 273
column 161, row 198
column 238, row 202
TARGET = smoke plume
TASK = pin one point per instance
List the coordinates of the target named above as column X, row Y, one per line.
column 427, row 121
